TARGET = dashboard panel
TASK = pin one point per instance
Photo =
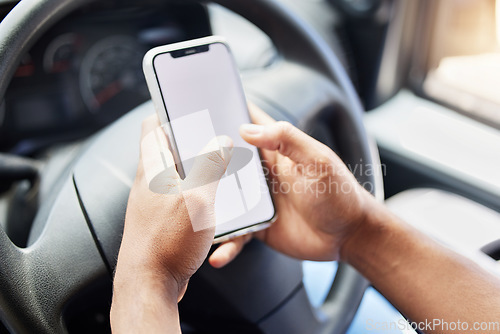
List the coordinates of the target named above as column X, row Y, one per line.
column 86, row 71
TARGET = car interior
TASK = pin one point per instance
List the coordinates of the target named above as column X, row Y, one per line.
column 405, row 92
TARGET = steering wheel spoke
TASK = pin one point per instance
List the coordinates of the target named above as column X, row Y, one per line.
column 38, row 281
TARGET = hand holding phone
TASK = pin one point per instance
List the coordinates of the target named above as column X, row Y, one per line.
column 198, row 95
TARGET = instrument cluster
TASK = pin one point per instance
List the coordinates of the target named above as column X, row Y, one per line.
column 87, row 71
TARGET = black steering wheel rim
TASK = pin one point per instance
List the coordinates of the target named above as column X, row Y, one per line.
column 31, row 18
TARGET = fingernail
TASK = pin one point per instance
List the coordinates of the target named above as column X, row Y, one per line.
column 252, row 129
column 225, row 141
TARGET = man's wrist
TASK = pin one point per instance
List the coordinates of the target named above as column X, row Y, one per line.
column 134, row 269
column 371, row 225
column 138, row 255
column 374, row 247
column 138, row 279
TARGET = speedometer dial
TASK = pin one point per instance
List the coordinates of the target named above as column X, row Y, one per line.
column 60, row 53
column 111, row 76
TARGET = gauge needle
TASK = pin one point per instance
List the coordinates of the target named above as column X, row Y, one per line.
column 108, row 92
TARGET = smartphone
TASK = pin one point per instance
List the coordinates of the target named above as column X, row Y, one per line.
column 197, row 92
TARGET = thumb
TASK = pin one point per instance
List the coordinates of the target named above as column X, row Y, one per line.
column 210, row 164
column 282, row 137
column 200, row 186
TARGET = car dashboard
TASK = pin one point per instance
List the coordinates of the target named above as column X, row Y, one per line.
column 86, row 71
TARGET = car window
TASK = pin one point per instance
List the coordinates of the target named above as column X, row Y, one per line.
column 464, row 57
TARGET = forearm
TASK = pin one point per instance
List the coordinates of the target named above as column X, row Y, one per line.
column 144, row 303
column 423, row 279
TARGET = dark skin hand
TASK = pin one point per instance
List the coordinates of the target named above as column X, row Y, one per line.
column 313, row 220
column 160, row 250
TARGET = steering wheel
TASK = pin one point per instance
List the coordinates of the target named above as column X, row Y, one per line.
column 81, row 228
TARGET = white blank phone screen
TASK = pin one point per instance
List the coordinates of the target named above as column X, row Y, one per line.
column 203, row 97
